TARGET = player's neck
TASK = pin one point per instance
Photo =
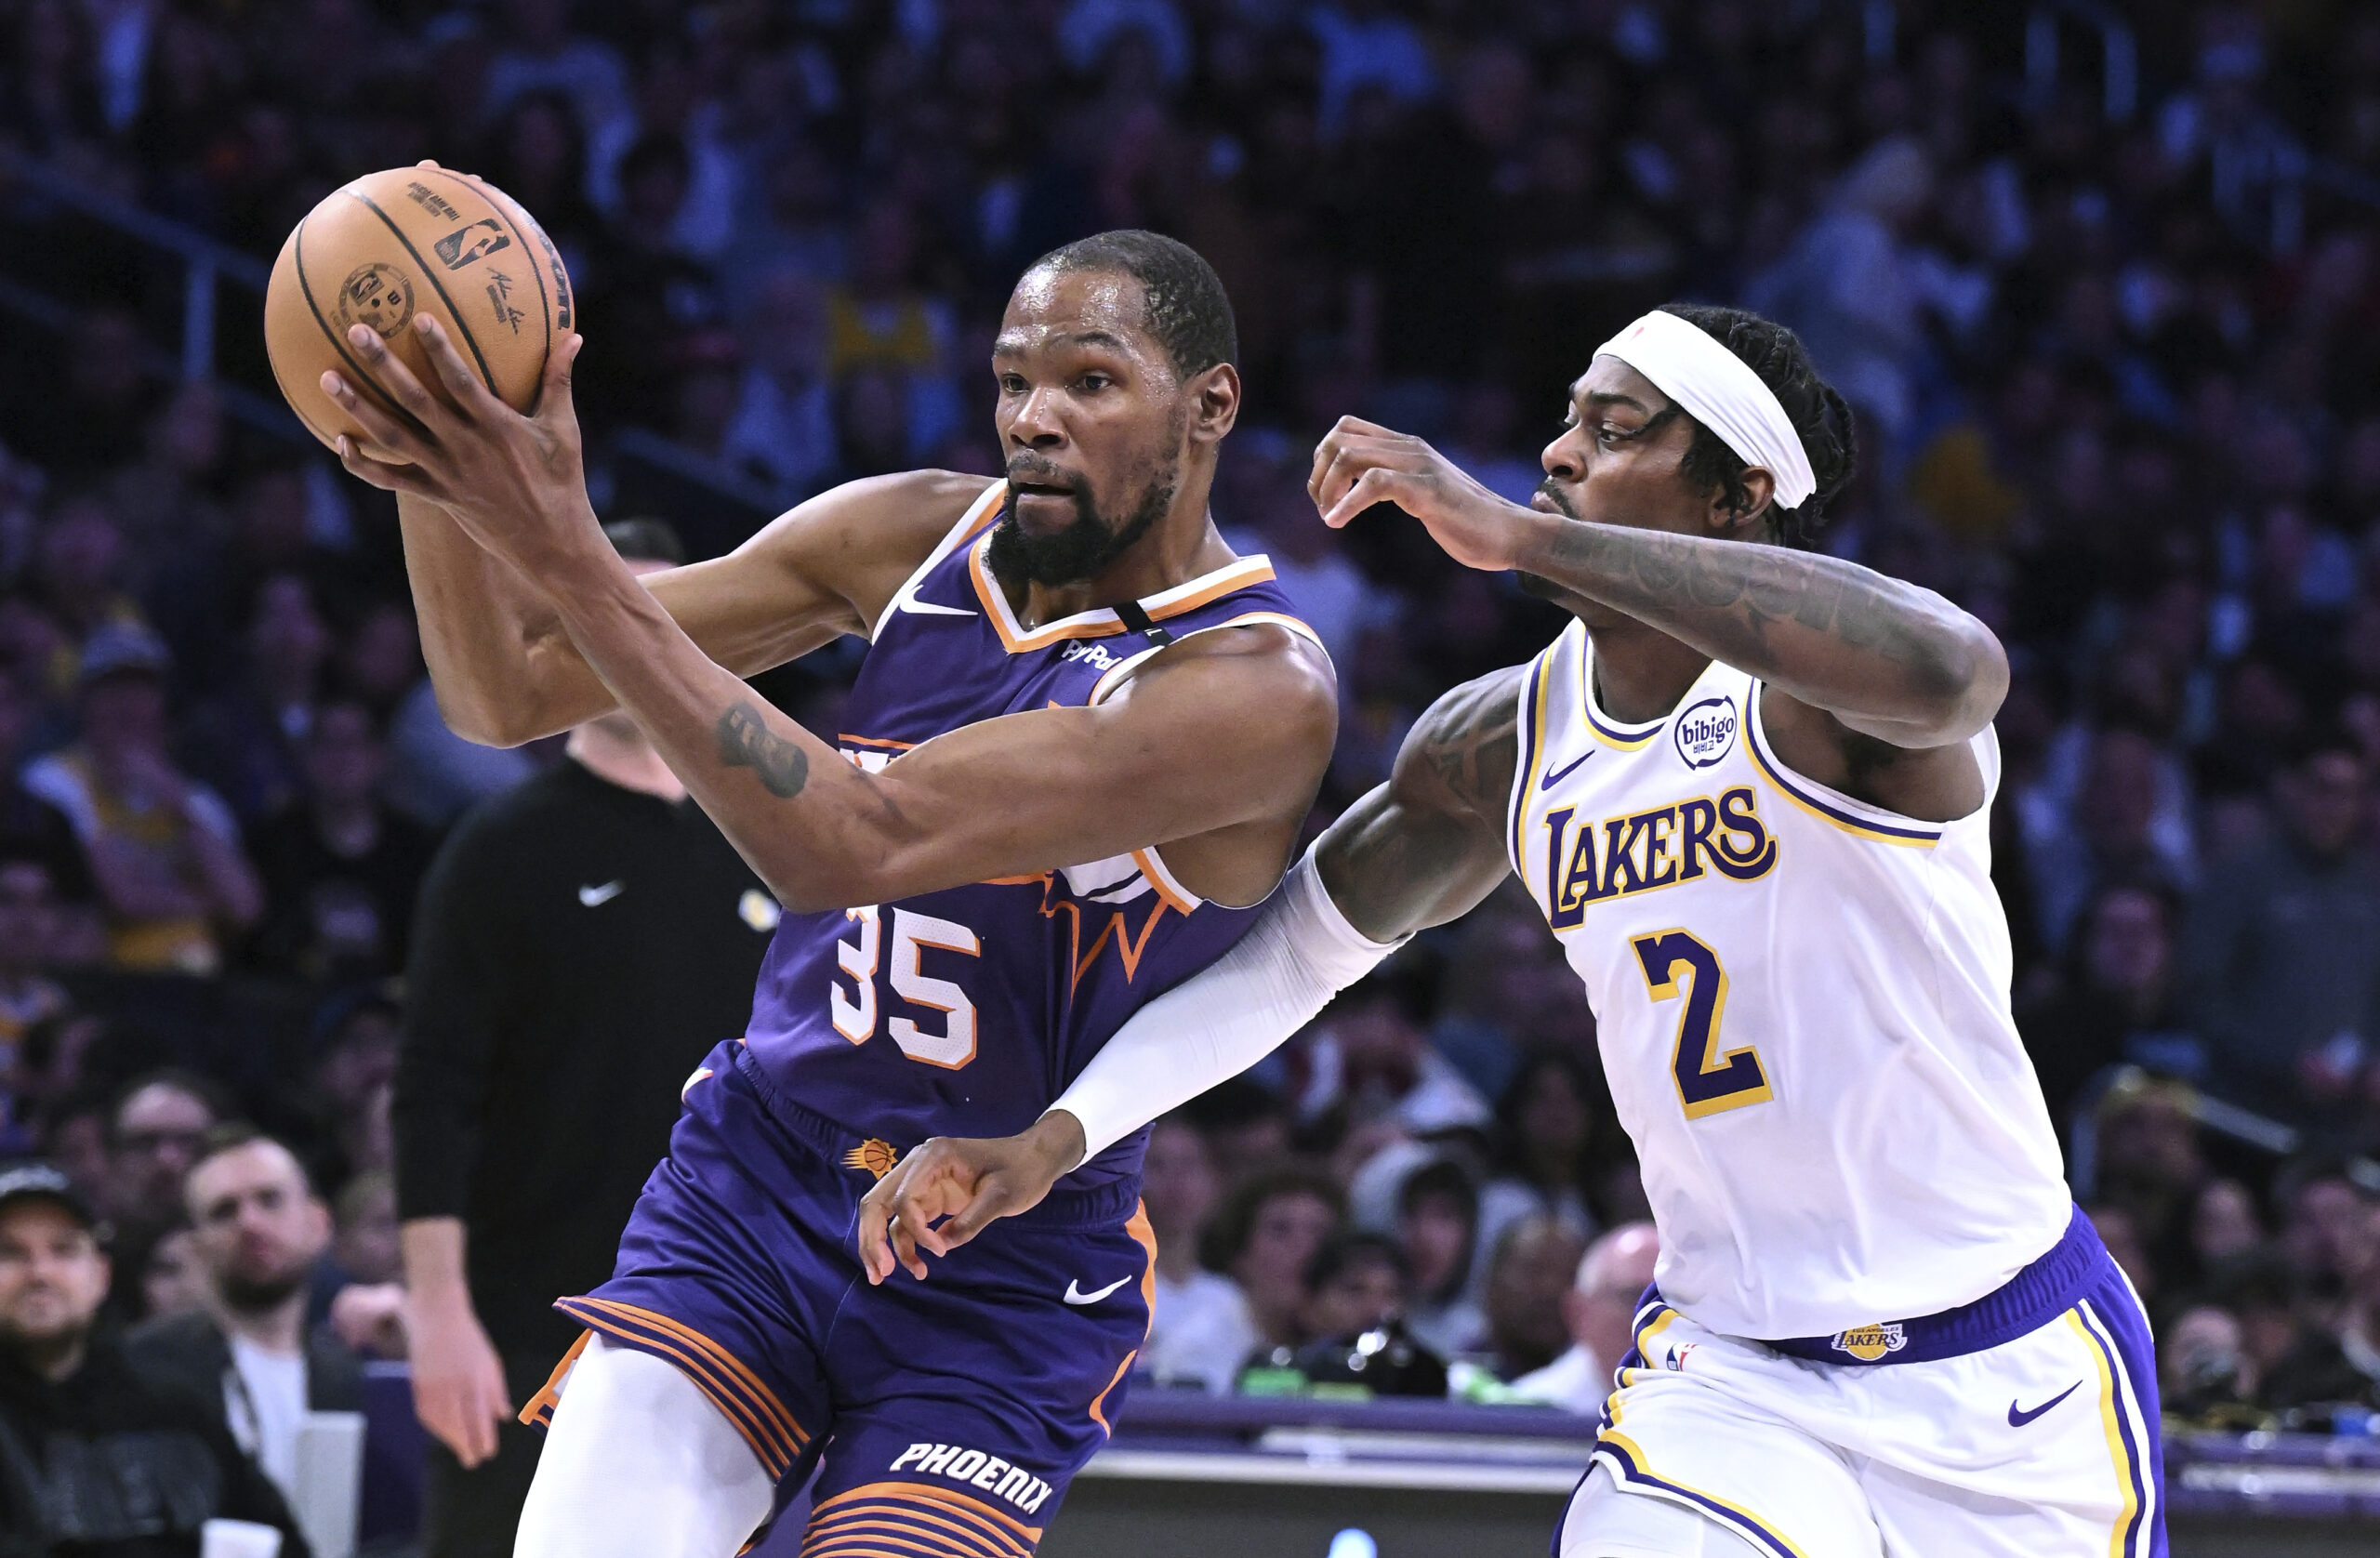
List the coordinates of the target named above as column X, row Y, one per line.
column 1185, row 546
column 1641, row 674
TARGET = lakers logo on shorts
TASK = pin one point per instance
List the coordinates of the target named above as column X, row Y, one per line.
column 872, row 1156
column 1869, row 1343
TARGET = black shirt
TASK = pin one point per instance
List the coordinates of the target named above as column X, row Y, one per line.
column 577, row 950
column 335, row 917
column 112, row 1463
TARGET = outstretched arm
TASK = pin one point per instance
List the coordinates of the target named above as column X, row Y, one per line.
column 1221, row 730
column 1421, row 850
column 505, row 669
column 1888, row 659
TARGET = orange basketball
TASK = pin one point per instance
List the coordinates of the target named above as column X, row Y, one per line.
column 414, row 240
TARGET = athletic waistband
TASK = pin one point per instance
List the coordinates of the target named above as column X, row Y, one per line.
column 1064, row 1206
column 2024, row 1303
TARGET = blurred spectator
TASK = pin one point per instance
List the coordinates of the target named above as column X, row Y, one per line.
column 1368, row 1059
column 1600, row 1313
column 172, row 1277
column 29, row 916
column 1199, row 1329
column 156, row 1129
column 340, row 869
column 364, row 1219
column 120, row 1464
column 164, row 851
column 1528, row 1274
column 1265, row 1236
column 1437, row 1222
column 2283, row 947
column 259, row 1230
column 33, row 830
column 1355, row 1290
column 246, row 742
column 784, row 421
column 2117, row 1001
column 1544, row 1140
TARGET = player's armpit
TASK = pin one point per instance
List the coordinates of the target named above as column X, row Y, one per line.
column 506, row 671
column 1429, row 845
column 1929, row 782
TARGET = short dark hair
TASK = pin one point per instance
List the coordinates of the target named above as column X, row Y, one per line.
column 232, row 1135
column 1188, row 311
column 640, row 538
column 1226, row 1237
column 191, row 1084
column 1345, row 1251
column 1819, row 414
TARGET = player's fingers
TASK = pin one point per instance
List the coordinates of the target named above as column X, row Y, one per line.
column 470, row 396
column 995, row 1197
column 554, row 403
column 904, row 1247
column 384, row 436
column 1350, row 458
column 380, row 473
column 1376, row 485
column 875, row 1216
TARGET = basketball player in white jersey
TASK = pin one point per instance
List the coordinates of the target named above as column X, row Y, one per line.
column 1750, row 790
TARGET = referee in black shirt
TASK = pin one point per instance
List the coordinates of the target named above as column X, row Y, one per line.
column 582, row 942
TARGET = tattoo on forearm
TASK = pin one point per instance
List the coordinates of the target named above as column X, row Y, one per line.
column 1729, row 596
column 746, row 741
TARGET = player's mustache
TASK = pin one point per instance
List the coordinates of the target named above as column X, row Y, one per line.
column 1039, row 473
column 1555, row 495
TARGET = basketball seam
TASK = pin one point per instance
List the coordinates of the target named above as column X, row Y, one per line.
column 435, row 285
column 536, row 273
column 364, row 379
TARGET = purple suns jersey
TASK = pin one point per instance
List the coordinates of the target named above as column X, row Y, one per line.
column 966, row 1012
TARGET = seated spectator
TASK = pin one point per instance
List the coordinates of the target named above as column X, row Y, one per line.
column 1600, row 1312
column 155, row 1133
column 341, row 869
column 1355, row 1301
column 2120, row 1231
column 171, row 1277
column 2324, row 1215
column 2282, row 941
column 28, row 929
column 2224, row 1224
column 1527, row 1276
column 2150, row 1165
column 1544, row 1143
column 1268, row 1230
column 2204, row 1373
column 261, row 1231
column 2116, row 1002
column 1200, row 1329
column 784, row 423
column 1437, row 1218
column 247, row 742
column 1368, row 1059
column 107, row 1462
column 365, row 1221
column 31, row 829
column 165, row 851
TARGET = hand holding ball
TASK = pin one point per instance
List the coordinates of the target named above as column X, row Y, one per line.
column 410, row 243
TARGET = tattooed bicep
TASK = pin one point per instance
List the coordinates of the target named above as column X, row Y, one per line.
column 1467, row 746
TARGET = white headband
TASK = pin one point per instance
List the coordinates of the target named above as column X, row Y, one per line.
column 1718, row 389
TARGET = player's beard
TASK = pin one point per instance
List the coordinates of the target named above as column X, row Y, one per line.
column 1084, row 548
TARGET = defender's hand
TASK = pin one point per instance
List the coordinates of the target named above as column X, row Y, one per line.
column 1361, row 463
column 517, row 484
column 969, row 1181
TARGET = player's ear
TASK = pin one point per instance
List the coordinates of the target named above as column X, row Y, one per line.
column 1730, row 519
column 1214, row 402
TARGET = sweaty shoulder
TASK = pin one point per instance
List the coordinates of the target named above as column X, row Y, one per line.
column 864, row 538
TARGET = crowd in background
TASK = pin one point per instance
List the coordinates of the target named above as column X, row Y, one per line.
column 2114, row 365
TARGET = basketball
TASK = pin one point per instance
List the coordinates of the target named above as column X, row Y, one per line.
column 414, row 240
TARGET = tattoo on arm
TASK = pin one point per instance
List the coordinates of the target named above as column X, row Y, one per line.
column 1427, row 845
column 746, row 741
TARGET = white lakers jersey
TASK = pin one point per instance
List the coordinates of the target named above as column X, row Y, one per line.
column 1801, row 1003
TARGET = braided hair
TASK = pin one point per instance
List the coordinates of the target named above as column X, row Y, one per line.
column 1819, row 414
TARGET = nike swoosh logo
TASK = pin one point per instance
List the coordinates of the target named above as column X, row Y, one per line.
column 1559, row 774
column 1076, row 1295
column 927, row 608
column 2019, row 1418
column 595, row 897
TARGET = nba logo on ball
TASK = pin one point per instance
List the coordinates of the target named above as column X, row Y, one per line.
column 1706, row 732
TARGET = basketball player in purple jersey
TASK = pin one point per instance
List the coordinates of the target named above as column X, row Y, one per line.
column 1077, row 758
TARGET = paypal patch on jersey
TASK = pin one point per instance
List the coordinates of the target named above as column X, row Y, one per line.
column 965, row 1013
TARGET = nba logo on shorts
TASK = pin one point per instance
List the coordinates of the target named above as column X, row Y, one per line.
column 1869, row 1343
column 1706, row 732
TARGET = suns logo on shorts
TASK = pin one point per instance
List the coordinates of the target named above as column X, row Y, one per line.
column 872, row 1156
column 1868, row 1343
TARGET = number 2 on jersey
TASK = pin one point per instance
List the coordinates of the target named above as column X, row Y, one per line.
column 912, row 934
column 1708, row 1082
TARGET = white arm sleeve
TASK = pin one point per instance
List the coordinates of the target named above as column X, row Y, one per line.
column 1227, row 1017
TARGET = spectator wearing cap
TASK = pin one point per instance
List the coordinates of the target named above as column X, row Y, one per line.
column 97, row 1458
column 258, row 1231
column 581, row 944
column 1600, row 1312
column 164, row 851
